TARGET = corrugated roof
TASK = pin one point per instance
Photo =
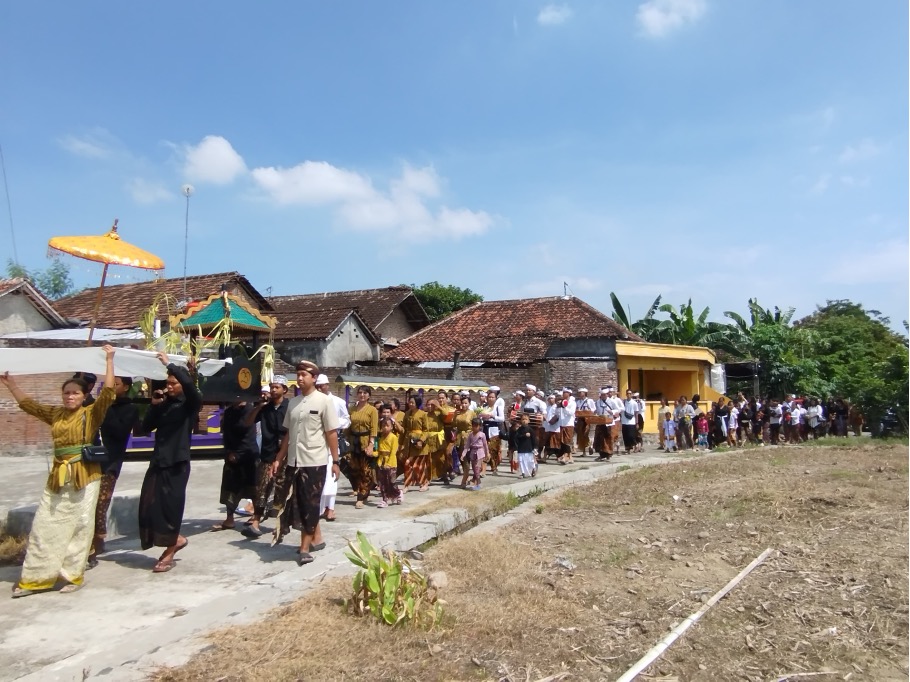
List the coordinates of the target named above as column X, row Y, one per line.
column 513, row 331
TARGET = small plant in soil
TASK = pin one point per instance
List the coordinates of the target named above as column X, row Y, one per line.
column 388, row 588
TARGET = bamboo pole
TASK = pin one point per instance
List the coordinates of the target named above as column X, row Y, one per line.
column 677, row 632
column 91, row 329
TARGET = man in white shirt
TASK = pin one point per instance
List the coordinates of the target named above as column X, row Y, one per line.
column 566, row 411
column 615, row 403
column 312, row 435
column 330, row 490
column 552, row 441
column 603, row 433
column 776, row 416
column 583, row 404
column 628, row 418
column 639, row 439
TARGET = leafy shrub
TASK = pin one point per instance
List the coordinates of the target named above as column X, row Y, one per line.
column 388, row 588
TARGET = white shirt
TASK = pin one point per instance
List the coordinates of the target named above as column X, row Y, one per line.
column 567, row 413
column 776, row 413
column 629, row 407
column 615, row 402
column 734, row 417
column 344, row 418
column 552, row 411
column 535, row 405
column 585, row 404
column 796, row 414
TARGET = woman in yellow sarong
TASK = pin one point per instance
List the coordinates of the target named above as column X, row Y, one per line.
column 64, row 525
column 464, row 415
column 416, row 464
column 439, row 424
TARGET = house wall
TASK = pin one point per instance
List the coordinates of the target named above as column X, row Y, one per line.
column 18, row 314
column 22, row 434
column 396, row 326
column 348, row 344
column 293, row 352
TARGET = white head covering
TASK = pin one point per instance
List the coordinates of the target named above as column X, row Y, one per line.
column 279, row 379
column 520, row 394
column 495, row 389
column 605, row 389
column 566, row 389
column 322, row 380
column 531, row 388
column 582, row 390
column 540, row 394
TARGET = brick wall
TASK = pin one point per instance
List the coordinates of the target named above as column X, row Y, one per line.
column 22, row 434
column 592, row 374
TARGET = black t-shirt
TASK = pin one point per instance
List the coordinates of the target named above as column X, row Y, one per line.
column 524, row 439
column 270, row 419
column 238, row 437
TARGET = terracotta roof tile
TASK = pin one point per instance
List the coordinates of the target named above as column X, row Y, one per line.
column 124, row 304
column 302, row 322
column 512, row 331
column 374, row 305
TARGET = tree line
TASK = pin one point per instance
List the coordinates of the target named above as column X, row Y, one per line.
column 840, row 349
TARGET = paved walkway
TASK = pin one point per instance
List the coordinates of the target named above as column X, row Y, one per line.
column 128, row 621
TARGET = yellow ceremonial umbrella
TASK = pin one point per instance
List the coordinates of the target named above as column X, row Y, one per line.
column 108, row 249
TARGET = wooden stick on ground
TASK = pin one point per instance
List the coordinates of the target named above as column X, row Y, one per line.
column 662, row 646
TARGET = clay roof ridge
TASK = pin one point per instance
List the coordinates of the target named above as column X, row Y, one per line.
column 326, row 294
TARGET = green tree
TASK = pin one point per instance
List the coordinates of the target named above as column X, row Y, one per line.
column 859, row 357
column 54, row 281
column 441, row 300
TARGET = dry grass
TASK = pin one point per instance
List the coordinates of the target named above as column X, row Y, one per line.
column 833, row 598
column 474, row 502
column 12, row 549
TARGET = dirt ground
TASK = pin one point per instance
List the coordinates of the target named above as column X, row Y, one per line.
column 587, row 582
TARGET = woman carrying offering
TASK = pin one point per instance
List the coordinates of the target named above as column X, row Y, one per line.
column 64, row 525
column 172, row 416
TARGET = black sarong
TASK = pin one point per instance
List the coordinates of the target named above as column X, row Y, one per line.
column 300, row 495
column 238, row 480
column 161, row 504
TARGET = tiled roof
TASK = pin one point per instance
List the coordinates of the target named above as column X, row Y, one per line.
column 309, row 324
column 124, row 304
column 374, row 305
column 513, row 331
column 45, row 307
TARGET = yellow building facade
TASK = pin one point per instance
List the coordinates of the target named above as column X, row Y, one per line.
column 656, row 370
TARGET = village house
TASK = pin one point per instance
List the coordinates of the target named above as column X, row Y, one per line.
column 551, row 342
column 24, row 310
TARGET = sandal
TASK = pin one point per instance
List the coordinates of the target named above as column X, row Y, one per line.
column 22, row 592
column 305, row 558
column 186, row 541
column 221, row 526
column 329, row 518
column 316, row 548
column 163, row 566
column 69, row 588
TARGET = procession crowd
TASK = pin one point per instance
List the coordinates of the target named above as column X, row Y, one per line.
column 286, row 454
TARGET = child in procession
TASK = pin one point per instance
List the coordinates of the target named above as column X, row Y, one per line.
column 387, row 464
column 476, row 451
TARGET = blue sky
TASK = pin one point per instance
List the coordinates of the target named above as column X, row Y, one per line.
column 690, row 148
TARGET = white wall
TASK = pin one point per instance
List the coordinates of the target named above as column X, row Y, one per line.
column 348, row 344
column 17, row 314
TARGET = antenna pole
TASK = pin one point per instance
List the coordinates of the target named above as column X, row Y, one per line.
column 187, row 192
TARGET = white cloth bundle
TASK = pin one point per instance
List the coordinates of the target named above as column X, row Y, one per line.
column 127, row 362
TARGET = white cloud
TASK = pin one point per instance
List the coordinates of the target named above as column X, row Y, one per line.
column 95, row 144
column 313, row 183
column 863, row 151
column 213, row 160
column 554, row 15
column 882, row 263
column 405, row 207
column 658, row 18
column 145, row 192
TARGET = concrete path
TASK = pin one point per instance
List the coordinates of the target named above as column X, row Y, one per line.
column 128, row 621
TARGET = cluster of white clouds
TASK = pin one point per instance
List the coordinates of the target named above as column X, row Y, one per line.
column 410, row 205
column 659, row 18
column 655, row 18
column 554, row 15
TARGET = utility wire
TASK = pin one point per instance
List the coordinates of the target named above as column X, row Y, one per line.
column 9, row 207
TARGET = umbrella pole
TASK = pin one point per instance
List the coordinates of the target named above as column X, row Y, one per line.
column 91, row 329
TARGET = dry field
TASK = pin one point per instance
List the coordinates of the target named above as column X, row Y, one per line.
column 638, row 554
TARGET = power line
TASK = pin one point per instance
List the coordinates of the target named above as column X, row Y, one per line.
column 9, row 208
